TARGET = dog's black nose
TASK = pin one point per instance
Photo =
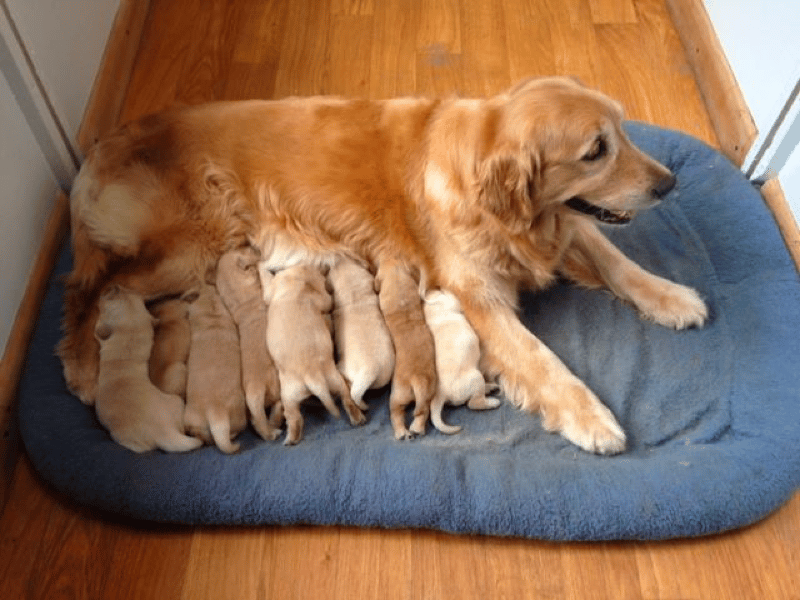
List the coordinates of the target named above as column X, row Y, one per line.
column 664, row 186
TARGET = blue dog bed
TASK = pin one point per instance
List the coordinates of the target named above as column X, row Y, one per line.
column 712, row 415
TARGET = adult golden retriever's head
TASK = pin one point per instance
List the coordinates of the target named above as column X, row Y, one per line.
column 553, row 144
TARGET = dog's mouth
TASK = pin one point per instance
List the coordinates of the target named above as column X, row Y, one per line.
column 604, row 215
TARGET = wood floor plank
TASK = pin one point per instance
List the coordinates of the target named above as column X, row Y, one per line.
column 484, row 51
column 393, row 59
column 529, row 40
column 246, row 554
column 605, row 12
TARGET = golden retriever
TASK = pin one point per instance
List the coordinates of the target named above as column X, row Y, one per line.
column 239, row 286
column 363, row 343
column 480, row 196
column 414, row 378
column 299, row 340
column 458, row 357
column 136, row 413
column 215, row 405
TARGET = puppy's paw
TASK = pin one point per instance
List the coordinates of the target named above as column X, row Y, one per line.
column 483, row 403
column 354, row 414
column 403, row 434
column 418, row 425
column 676, row 306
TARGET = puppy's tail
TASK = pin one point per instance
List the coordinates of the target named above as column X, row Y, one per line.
column 436, row 415
column 220, row 427
column 319, row 387
column 179, row 442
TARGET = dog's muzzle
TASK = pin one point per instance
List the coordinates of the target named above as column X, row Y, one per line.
column 620, row 217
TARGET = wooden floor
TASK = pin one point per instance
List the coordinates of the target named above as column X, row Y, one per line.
column 198, row 50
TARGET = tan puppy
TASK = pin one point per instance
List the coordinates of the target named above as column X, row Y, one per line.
column 136, row 413
column 299, row 340
column 170, row 345
column 240, row 288
column 215, row 406
column 414, row 377
column 458, row 355
column 363, row 343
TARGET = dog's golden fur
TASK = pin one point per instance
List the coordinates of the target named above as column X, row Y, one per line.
column 469, row 193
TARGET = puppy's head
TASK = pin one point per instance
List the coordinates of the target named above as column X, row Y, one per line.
column 120, row 310
column 553, row 145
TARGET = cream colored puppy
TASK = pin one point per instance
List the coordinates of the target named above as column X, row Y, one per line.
column 457, row 358
column 170, row 345
column 299, row 340
column 215, row 406
column 136, row 413
column 363, row 343
column 240, row 288
column 414, row 378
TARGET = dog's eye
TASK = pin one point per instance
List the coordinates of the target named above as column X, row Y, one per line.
column 597, row 151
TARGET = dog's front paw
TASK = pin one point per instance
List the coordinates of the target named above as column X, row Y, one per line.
column 675, row 306
column 583, row 420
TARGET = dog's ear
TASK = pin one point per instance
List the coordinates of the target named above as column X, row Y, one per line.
column 506, row 188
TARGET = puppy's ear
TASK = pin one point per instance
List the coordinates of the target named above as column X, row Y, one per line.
column 247, row 259
column 102, row 331
column 506, row 188
column 268, row 289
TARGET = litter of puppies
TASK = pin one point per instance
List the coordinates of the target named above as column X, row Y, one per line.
column 251, row 345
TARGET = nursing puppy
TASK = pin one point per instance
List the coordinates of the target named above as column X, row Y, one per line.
column 215, row 405
column 414, row 378
column 458, row 355
column 171, row 341
column 479, row 196
column 363, row 343
column 136, row 413
column 239, row 287
column 299, row 340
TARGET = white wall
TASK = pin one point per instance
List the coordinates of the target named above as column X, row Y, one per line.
column 28, row 189
column 760, row 40
column 65, row 40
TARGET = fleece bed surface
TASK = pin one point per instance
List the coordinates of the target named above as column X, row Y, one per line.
column 712, row 415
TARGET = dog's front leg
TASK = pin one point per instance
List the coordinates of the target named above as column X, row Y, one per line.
column 592, row 260
column 534, row 379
